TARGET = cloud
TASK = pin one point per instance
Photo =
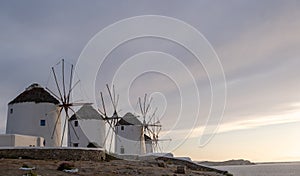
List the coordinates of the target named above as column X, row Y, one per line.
column 286, row 117
column 262, row 43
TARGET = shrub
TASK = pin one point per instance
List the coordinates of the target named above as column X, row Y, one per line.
column 65, row 166
column 25, row 166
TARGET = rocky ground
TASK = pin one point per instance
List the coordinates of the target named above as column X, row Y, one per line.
column 115, row 167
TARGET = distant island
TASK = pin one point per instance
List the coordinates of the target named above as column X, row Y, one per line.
column 226, row 163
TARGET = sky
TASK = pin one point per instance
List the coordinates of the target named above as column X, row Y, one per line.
column 257, row 43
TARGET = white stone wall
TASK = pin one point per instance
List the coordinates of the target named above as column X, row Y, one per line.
column 25, row 119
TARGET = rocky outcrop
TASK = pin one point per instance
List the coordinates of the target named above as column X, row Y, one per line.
column 191, row 165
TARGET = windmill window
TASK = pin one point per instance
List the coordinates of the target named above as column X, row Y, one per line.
column 43, row 123
column 11, row 110
column 76, row 123
column 122, row 150
column 122, row 128
column 75, row 144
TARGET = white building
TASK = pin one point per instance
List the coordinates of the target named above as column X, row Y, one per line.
column 16, row 140
column 89, row 127
column 34, row 112
column 130, row 138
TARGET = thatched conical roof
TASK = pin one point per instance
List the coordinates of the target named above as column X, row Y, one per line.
column 35, row 93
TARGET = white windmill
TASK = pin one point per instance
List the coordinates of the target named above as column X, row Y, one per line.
column 136, row 137
column 151, row 127
column 89, row 127
column 128, row 132
column 34, row 112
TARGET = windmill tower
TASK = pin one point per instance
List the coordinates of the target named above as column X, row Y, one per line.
column 35, row 112
column 63, row 89
column 111, row 121
column 128, row 131
column 89, row 126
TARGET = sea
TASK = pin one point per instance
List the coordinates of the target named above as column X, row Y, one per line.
column 271, row 169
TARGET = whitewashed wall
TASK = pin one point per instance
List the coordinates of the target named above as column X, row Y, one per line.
column 13, row 140
column 130, row 140
column 25, row 120
column 88, row 130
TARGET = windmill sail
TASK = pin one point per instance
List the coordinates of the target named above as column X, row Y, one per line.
column 112, row 120
column 62, row 91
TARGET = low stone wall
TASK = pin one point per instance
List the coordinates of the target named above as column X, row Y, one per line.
column 64, row 154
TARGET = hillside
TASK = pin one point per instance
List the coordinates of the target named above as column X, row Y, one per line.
column 93, row 168
column 226, row 163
